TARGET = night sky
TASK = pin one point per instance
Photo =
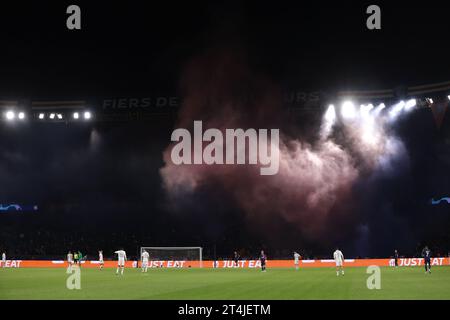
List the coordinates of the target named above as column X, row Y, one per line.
column 99, row 178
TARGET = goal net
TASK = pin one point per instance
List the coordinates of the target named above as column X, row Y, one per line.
column 171, row 254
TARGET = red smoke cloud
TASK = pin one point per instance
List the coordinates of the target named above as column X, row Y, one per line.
column 314, row 181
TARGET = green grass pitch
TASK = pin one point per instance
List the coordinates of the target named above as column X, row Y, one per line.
column 284, row 284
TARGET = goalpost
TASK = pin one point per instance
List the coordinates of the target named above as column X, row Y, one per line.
column 174, row 254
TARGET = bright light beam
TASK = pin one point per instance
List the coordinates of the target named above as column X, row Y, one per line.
column 378, row 109
column 396, row 109
column 328, row 121
column 365, row 110
column 410, row 104
column 330, row 115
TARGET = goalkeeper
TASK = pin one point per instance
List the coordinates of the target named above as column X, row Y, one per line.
column 80, row 258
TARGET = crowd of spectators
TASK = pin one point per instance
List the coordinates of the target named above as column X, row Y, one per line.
column 40, row 243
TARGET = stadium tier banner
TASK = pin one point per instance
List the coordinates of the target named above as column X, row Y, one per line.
column 402, row 262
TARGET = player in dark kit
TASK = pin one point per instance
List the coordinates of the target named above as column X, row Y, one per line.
column 396, row 258
column 263, row 259
column 426, row 254
column 236, row 259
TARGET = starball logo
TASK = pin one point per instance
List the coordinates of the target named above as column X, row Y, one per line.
column 230, row 149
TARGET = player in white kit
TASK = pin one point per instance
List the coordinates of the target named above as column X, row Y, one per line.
column 144, row 258
column 4, row 260
column 339, row 259
column 122, row 257
column 100, row 259
column 297, row 258
column 69, row 262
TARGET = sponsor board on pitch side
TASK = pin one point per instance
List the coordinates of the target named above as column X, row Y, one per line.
column 402, row 262
column 412, row 262
column 11, row 263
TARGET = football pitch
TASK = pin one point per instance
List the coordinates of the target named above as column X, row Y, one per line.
column 283, row 284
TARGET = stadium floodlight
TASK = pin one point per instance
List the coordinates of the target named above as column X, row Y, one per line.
column 410, row 104
column 87, row 115
column 21, row 115
column 10, row 115
column 41, row 116
column 348, row 110
column 52, row 116
column 448, row 97
column 177, row 256
column 60, row 116
column 76, row 115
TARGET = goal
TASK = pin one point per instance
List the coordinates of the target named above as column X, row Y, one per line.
column 175, row 254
